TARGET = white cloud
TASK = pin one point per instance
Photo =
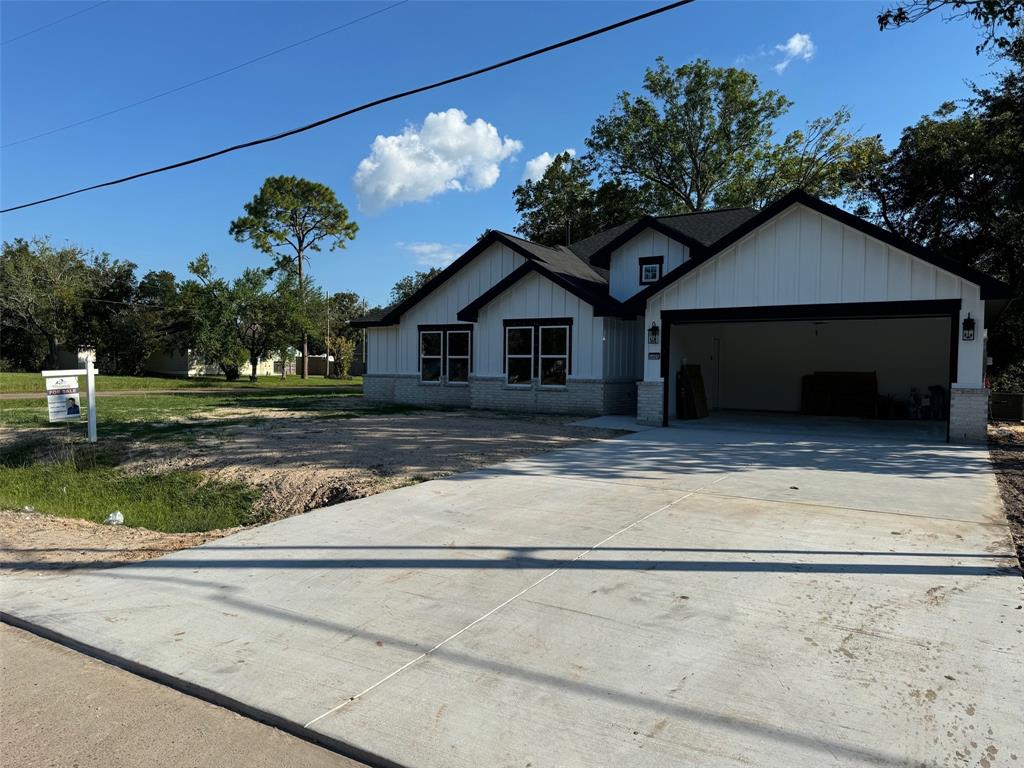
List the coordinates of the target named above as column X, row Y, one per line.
column 799, row 46
column 446, row 153
column 434, row 254
column 536, row 166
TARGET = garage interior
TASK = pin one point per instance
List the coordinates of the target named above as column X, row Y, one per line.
column 887, row 374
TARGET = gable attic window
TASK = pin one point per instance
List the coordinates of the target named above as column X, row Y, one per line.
column 650, row 269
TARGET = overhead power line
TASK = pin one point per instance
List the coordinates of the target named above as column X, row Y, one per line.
column 360, row 108
column 54, row 23
column 205, row 79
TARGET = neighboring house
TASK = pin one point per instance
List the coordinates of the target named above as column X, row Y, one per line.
column 761, row 301
column 179, row 364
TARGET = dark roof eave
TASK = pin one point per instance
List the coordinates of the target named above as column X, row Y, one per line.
column 602, row 256
column 603, row 306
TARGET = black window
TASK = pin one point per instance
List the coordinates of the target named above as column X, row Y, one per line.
column 519, row 354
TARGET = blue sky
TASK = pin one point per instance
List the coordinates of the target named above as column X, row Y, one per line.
column 124, row 51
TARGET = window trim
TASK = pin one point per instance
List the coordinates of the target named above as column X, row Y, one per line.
column 508, row 356
column 420, row 357
column 535, row 323
column 448, row 356
column 647, row 261
column 541, row 356
column 444, row 329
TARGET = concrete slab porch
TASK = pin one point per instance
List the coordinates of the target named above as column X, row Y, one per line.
column 674, row 597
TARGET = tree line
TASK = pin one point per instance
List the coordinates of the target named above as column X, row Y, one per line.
column 64, row 296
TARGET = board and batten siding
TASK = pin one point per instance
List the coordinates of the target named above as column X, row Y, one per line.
column 624, row 266
column 536, row 297
column 804, row 257
column 623, row 349
column 395, row 349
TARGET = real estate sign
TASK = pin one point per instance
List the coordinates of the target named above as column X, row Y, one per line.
column 62, row 398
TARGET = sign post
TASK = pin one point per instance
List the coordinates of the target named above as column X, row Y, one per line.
column 63, row 401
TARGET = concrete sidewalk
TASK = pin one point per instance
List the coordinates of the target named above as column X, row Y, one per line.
column 672, row 597
column 109, row 718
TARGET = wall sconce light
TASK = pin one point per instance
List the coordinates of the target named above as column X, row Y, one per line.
column 968, row 326
column 652, row 334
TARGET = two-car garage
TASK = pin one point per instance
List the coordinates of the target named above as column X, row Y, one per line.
column 887, row 361
column 807, row 310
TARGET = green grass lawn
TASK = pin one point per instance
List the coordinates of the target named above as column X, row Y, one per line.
column 33, row 382
column 174, row 502
column 153, row 413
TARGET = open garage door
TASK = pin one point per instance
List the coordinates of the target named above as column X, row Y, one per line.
column 889, row 361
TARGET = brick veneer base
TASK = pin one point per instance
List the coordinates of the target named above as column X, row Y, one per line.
column 587, row 397
column 968, row 415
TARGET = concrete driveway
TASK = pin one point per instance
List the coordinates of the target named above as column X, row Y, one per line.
column 676, row 597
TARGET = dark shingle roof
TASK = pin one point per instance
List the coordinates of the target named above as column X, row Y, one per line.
column 708, row 226
column 589, row 245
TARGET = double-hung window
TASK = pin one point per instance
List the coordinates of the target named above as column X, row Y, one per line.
column 431, row 343
column 538, row 350
column 554, row 354
column 446, row 353
column 458, row 349
column 519, row 354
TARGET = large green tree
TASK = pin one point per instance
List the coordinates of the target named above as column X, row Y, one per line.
column 996, row 19
column 208, row 319
column 563, row 205
column 290, row 218
column 698, row 137
column 42, row 291
column 409, row 284
column 955, row 182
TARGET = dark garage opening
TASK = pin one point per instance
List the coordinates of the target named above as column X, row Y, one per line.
column 818, row 369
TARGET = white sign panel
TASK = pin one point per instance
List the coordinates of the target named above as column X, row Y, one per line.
column 62, row 398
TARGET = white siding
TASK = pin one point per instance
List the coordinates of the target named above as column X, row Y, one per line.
column 624, row 277
column 623, row 349
column 537, row 297
column 393, row 349
column 804, row 257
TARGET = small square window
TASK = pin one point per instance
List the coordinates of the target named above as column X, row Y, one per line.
column 650, row 273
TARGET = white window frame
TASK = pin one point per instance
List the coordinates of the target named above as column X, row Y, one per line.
column 449, row 356
column 656, row 266
column 541, row 357
column 439, row 357
column 509, row 356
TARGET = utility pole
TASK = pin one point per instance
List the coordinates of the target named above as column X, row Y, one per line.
column 327, row 343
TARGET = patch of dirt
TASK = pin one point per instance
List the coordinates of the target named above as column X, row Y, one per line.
column 304, row 462
column 301, row 460
column 1006, row 446
column 47, row 542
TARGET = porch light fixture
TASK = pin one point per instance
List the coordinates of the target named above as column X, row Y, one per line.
column 968, row 326
column 652, row 334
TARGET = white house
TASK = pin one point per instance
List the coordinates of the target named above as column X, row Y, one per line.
column 798, row 307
